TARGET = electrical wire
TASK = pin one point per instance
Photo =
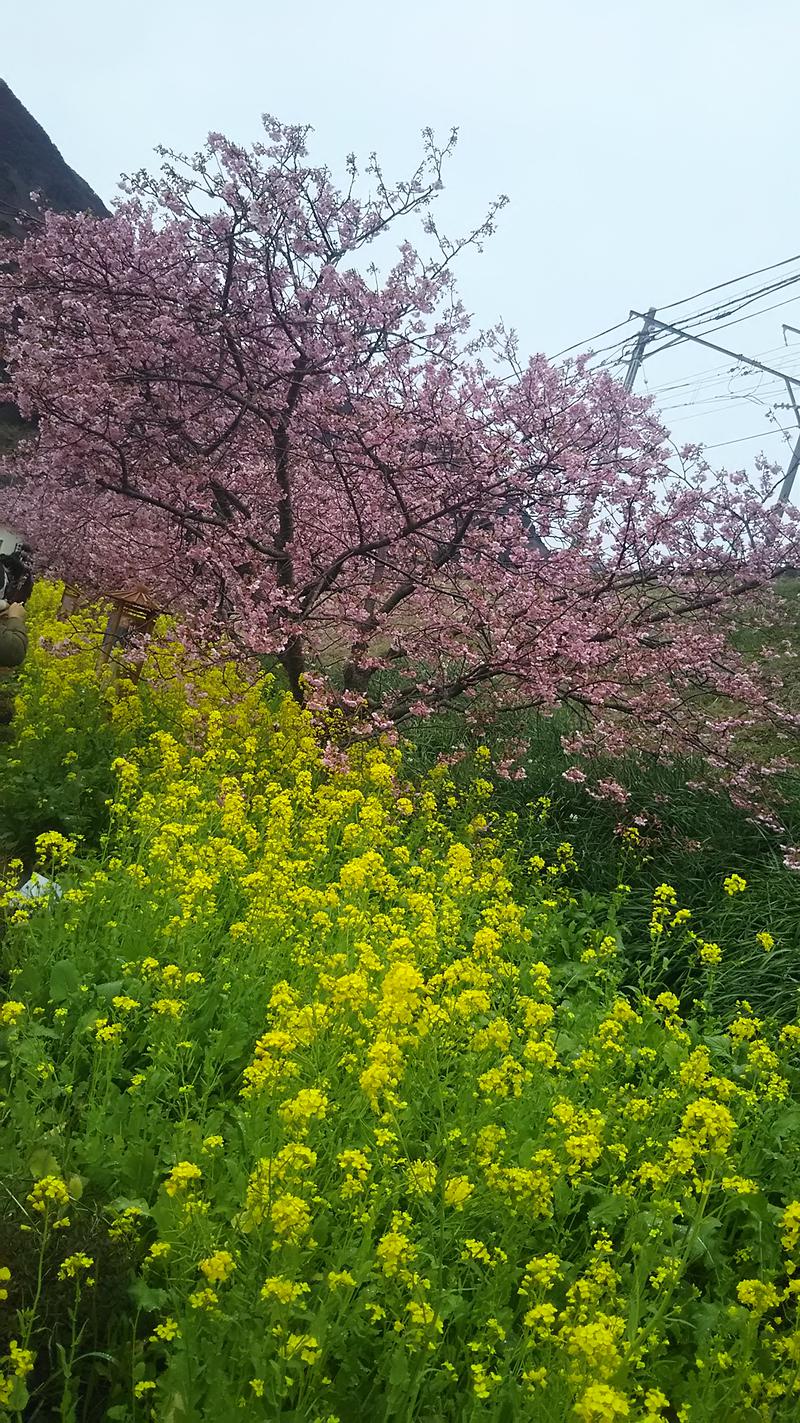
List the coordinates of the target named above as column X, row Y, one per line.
column 712, row 313
column 722, row 388
column 719, row 379
column 718, row 371
column 759, row 271
column 676, row 340
column 673, row 420
column 586, row 345
column 716, row 375
column 656, row 346
column 691, row 411
column 710, row 316
column 759, row 435
column 735, row 303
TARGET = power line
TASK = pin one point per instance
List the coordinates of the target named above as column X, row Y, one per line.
column 735, row 303
column 722, row 314
column 720, row 372
column 656, row 348
column 698, row 386
column 701, row 341
column 692, row 318
column 649, row 323
column 702, row 410
column 759, row 271
column 585, row 345
column 683, row 420
column 716, row 375
column 739, row 319
column 735, row 384
column 742, row 438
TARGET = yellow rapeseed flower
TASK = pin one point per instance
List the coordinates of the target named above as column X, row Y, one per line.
column 166, row 1331
column 457, row 1191
column 790, row 1221
column 290, row 1217
column 340, row 1280
column 600, row 1403
column 734, row 884
column 284, row 1291
column 759, row 1295
column 73, row 1265
column 218, row 1267
column 49, row 1196
column 21, row 1360
column 182, row 1177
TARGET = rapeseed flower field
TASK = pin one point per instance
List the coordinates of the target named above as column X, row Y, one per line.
column 317, row 1103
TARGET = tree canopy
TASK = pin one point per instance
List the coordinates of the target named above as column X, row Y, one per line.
column 281, row 438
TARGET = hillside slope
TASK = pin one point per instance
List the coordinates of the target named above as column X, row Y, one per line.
column 30, row 162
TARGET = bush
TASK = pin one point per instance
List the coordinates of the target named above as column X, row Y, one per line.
column 321, row 1101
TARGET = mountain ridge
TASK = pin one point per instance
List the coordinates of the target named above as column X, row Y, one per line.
column 30, row 162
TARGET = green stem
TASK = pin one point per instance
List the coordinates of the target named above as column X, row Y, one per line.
column 683, row 1260
column 30, row 1314
column 67, row 1411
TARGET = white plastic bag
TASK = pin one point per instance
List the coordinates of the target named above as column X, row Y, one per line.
column 38, row 887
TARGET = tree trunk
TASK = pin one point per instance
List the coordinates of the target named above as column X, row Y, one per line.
column 293, row 663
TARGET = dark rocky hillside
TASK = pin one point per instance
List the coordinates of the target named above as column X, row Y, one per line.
column 30, row 162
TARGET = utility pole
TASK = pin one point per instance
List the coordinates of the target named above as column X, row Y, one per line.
column 637, row 355
column 794, row 462
column 789, row 477
column 790, row 381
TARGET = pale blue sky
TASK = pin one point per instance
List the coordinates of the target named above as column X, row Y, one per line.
column 647, row 148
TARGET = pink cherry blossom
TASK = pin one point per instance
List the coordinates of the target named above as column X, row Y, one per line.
column 252, row 407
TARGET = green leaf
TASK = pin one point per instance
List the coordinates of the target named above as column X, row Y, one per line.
column 110, row 990
column 718, row 1042
column 702, row 1241
column 398, row 1373
column 453, row 1306
column 174, row 1409
column 787, row 1122
column 563, row 1197
column 18, row 1397
column 146, row 1297
column 43, row 1163
column 64, row 981
column 611, row 1209
column 581, row 973
column 126, row 1203
column 672, row 1053
column 29, row 981
column 705, row 1319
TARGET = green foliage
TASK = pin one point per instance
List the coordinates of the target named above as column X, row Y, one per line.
column 390, row 1090
column 57, row 756
column 689, row 838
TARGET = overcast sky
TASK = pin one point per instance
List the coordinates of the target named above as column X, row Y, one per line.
column 647, row 146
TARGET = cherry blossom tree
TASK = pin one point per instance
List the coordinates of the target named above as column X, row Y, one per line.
column 257, row 402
